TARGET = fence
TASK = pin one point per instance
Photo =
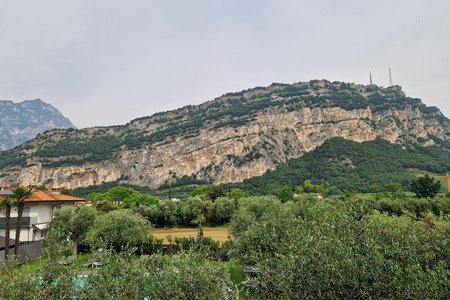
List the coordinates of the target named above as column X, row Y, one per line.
column 27, row 251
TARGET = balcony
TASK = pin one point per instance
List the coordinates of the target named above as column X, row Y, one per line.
column 25, row 222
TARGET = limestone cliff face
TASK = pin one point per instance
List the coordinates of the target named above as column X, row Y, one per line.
column 230, row 148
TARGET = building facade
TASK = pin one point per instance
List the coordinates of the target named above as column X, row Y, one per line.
column 37, row 214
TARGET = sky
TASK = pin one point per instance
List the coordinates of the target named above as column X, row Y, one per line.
column 106, row 62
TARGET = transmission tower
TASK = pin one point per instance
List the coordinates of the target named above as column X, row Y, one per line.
column 390, row 78
column 370, row 75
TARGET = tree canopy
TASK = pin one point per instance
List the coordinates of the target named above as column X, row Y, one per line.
column 425, row 187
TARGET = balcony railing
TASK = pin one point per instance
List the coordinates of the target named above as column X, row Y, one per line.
column 25, row 222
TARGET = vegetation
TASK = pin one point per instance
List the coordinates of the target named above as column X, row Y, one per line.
column 342, row 164
column 19, row 195
column 352, row 166
column 230, row 110
column 339, row 247
column 122, row 276
column 209, row 202
column 302, row 225
column 7, row 202
column 312, row 249
column 71, row 225
column 118, row 230
column 425, row 187
column 17, row 198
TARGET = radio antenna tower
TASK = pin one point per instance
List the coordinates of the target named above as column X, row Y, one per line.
column 390, row 78
column 370, row 75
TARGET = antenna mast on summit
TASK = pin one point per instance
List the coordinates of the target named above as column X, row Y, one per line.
column 390, row 78
column 370, row 75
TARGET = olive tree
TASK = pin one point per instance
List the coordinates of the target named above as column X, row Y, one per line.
column 425, row 187
column 314, row 249
column 71, row 224
column 222, row 210
column 117, row 230
column 122, row 276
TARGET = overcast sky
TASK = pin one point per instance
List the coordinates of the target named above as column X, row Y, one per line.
column 104, row 62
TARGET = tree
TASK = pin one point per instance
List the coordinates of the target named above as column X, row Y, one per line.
column 138, row 199
column 117, row 230
column 82, row 221
column 208, row 192
column 122, row 276
column 191, row 208
column 119, row 193
column 19, row 194
column 222, row 210
column 317, row 250
column 284, row 193
column 237, row 194
column 167, row 215
column 8, row 201
column 216, row 191
column 200, row 191
column 70, row 226
column 58, row 240
column 309, row 187
column 425, row 187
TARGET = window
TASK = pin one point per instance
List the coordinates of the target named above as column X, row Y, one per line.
column 2, row 211
column 26, row 211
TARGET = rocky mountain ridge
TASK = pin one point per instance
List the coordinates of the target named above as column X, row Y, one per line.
column 21, row 122
column 228, row 139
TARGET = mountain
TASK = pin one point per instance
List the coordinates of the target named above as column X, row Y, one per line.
column 348, row 165
column 21, row 122
column 229, row 139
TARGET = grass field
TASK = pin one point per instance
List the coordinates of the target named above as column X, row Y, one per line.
column 219, row 234
column 37, row 264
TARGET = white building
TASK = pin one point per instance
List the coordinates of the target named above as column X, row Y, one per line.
column 37, row 214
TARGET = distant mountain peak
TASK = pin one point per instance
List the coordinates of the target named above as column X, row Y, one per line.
column 22, row 121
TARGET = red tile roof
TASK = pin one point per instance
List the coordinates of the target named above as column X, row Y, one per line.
column 37, row 196
column 43, row 196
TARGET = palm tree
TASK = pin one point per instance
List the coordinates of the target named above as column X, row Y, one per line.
column 19, row 194
column 7, row 201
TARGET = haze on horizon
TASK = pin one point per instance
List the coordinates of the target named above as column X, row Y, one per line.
column 107, row 62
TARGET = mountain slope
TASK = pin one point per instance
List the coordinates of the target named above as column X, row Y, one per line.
column 354, row 166
column 20, row 122
column 229, row 139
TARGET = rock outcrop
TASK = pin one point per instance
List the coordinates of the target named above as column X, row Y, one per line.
column 229, row 139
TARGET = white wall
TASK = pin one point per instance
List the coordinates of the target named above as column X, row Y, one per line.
column 40, row 212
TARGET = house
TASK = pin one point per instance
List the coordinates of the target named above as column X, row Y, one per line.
column 37, row 214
